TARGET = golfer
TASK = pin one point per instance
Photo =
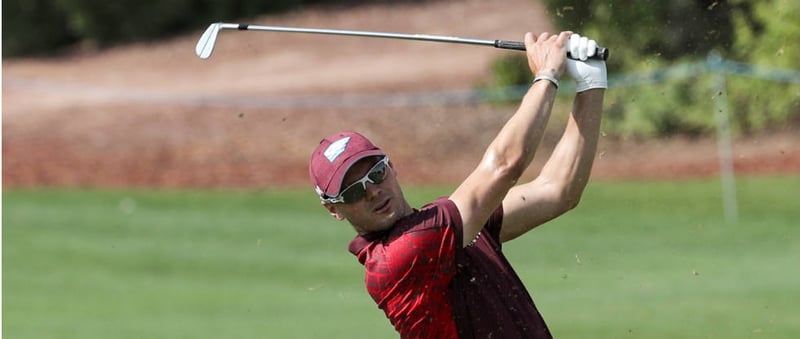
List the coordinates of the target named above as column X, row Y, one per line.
column 439, row 271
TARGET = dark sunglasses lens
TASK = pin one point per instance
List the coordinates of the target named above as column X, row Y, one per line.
column 378, row 173
column 357, row 191
column 353, row 193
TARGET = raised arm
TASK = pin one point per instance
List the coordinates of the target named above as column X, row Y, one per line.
column 512, row 150
column 559, row 186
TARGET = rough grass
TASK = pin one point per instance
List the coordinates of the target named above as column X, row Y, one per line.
column 635, row 259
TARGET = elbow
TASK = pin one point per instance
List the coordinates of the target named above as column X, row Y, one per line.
column 504, row 166
column 567, row 199
column 570, row 202
column 564, row 205
column 569, row 192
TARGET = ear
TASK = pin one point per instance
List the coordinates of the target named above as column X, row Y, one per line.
column 332, row 210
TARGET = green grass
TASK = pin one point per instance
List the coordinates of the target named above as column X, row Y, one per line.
column 634, row 260
column 657, row 260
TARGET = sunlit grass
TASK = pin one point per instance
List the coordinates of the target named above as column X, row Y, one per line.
column 635, row 259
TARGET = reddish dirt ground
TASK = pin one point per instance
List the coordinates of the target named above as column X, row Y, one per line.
column 155, row 115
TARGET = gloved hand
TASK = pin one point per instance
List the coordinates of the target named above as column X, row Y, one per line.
column 587, row 73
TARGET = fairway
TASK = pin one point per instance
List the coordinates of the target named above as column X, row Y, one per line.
column 634, row 260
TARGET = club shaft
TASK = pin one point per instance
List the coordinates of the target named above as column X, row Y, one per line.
column 422, row 37
column 206, row 43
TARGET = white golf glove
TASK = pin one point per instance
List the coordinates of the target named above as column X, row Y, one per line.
column 587, row 73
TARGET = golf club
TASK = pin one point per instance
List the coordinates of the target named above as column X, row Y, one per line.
column 206, row 43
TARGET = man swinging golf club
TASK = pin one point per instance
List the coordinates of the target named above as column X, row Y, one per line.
column 439, row 271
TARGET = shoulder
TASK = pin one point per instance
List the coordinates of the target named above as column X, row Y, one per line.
column 442, row 212
column 491, row 228
column 433, row 221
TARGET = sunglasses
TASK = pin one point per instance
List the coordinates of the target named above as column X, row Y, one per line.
column 357, row 190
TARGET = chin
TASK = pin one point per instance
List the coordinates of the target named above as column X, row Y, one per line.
column 386, row 222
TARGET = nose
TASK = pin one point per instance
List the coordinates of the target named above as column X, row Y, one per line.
column 372, row 190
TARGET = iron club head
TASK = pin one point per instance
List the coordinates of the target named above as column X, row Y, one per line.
column 206, row 43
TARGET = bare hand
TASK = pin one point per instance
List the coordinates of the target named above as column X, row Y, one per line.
column 547, row 54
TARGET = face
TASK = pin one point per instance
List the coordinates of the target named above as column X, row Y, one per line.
column 382, row 205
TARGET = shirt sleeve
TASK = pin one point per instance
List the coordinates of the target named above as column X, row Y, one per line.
column 491, row 228
column 495, row 223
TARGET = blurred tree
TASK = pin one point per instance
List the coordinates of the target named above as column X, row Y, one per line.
column 668, row 30
column 108, row 22
column 652, row 34
column 46, row 26
column 34, row 27
column 105, row 22
column 767, row 35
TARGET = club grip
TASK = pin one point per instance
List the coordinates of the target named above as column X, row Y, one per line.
column 601, row 52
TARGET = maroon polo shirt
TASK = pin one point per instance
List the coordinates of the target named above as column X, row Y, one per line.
column 429, row 286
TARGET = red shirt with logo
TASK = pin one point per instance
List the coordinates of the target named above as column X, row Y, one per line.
column 429, row 286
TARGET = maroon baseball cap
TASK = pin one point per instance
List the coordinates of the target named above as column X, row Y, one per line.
column 333, row 158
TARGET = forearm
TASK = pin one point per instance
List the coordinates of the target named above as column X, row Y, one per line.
column 512, row 150
column 516, row 143
column 570, row 165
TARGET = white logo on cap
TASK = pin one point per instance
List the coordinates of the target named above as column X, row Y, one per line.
column 336, row 148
